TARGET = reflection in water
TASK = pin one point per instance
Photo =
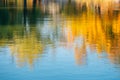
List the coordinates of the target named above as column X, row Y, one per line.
column 26, row 48
column 28, row 28
column 101, row 34
column 52, row 36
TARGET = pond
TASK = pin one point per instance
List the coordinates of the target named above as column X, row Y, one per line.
column 59, row 40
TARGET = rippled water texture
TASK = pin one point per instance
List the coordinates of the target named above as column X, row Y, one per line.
column 59, row 40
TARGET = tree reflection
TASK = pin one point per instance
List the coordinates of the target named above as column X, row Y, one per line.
column 99, row 33
column 25, row 11
column 95, row 23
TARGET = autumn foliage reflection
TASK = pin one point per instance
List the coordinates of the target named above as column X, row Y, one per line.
column 80, row 23
column 100, row 33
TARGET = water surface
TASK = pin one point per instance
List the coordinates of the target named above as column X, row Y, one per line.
column 59, row 40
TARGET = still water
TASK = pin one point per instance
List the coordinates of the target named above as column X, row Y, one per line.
column 59, row 40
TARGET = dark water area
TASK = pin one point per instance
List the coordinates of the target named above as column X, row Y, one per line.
column 59, row 40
